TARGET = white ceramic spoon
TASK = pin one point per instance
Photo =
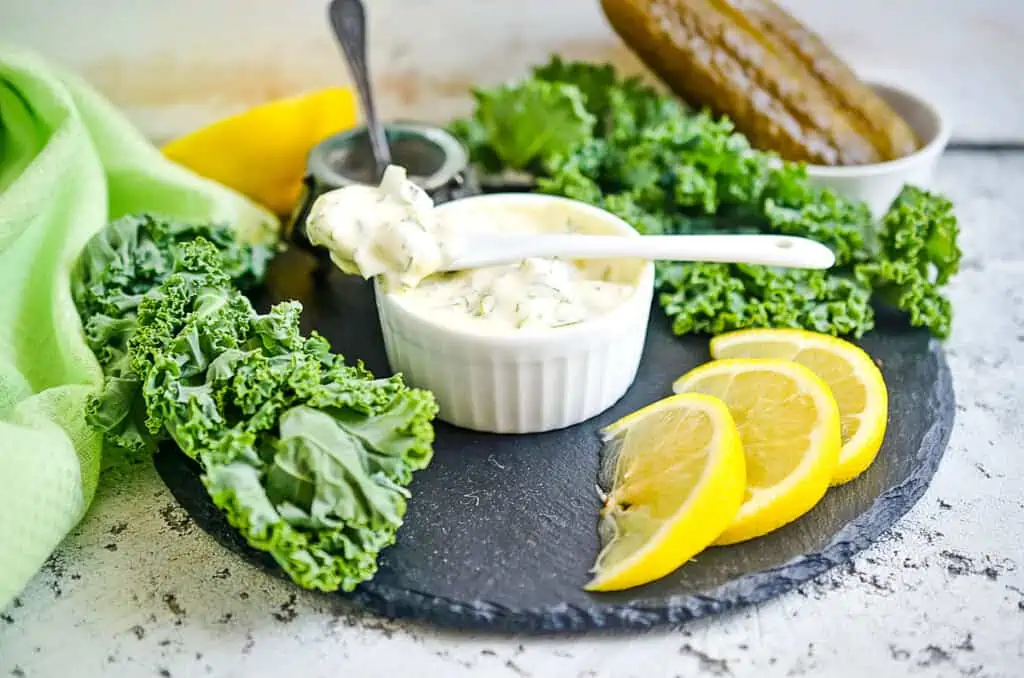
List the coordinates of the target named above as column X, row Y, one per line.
column 768, row 250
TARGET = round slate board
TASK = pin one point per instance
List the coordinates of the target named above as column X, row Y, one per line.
column 502, row 530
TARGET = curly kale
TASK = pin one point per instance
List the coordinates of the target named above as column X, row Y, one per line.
column 525, row 125
column 118, row 266
column 716, row 298
column 309, row 457
column 914, row 253
column 665, row 169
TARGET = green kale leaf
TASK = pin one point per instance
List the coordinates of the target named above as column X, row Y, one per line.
column 667, row 170
column 914, row 253
column 118, row 266
column 526, row 123
column 309, row 457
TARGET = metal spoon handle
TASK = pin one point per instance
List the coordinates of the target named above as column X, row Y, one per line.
column 348, row 19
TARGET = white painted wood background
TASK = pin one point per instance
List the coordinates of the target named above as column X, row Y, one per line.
column 175, row 65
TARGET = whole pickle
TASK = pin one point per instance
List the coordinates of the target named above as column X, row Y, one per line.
column 712, row 54
column 890, row 134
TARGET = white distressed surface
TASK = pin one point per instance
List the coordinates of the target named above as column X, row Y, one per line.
column 137, row 590
column 176, row 65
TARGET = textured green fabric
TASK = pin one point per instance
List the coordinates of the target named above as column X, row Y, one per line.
column 68, row 163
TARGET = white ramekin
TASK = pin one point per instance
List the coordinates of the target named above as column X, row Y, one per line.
column 522, row 381
column 878, row 184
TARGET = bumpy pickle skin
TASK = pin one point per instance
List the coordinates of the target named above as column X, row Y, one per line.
column 712, row 55
column 872, row 115
column 789, row 79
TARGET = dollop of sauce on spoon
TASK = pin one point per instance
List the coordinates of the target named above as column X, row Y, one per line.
column 389, row 230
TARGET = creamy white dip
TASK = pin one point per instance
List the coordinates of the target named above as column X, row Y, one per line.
column 393, row 230
column 387, row 230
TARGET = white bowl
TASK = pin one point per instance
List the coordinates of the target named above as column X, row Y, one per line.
column 522, row 381
column 878, row 184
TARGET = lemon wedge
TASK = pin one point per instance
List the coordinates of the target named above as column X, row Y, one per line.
column 856, row 384
column 261, row 152
column 788, row 423
column 676, row 479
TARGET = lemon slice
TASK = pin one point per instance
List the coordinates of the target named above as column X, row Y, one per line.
column 856, row 384
column 789, row 426
column 676, row 478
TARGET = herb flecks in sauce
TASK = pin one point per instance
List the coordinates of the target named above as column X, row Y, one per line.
column 388, row 230
column 542, row 293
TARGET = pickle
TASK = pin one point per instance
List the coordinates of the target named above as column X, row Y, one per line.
column 712, row 53
column 889, row 133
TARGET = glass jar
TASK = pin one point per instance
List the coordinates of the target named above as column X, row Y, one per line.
column 433, row 158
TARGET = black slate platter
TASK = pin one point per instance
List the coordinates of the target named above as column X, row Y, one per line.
column 501, row 530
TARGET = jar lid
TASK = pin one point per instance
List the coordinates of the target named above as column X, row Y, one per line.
column 431, row 155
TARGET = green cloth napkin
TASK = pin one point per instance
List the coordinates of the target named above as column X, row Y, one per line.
column 69, row 162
